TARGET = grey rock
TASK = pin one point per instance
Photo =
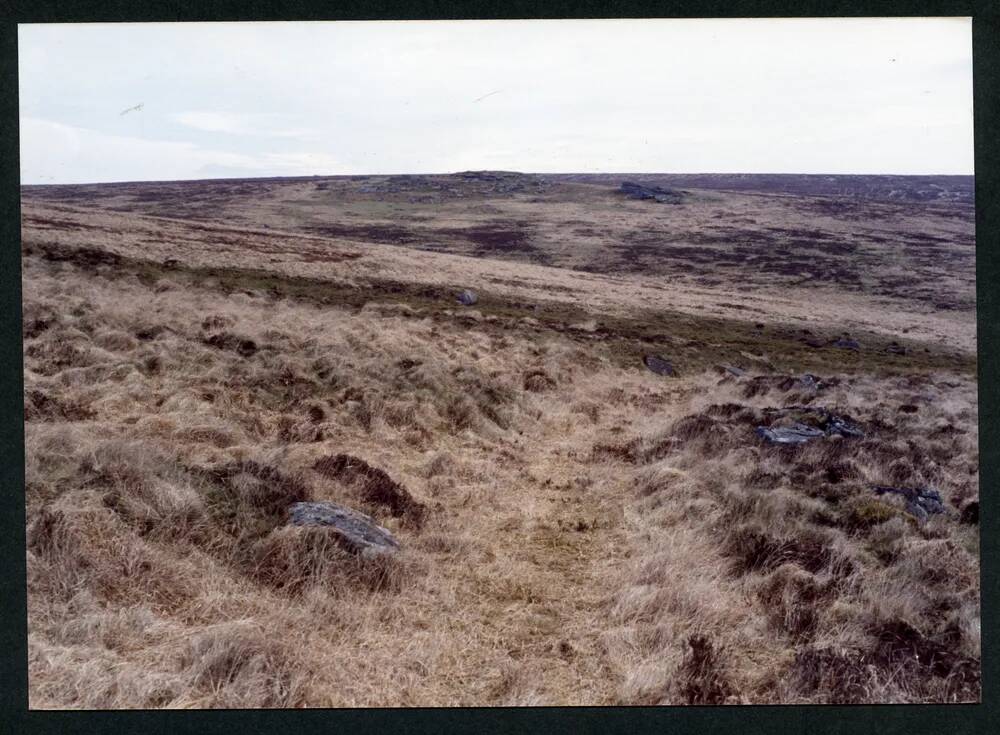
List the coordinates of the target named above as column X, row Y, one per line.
column 828, row 424
column 920, row 503
column 468, row 298
column 835, row 424
column 357, row 532
column 810, row 382
column 656, row 193
column 658, row 365
column 798, row 434
column 846, row 343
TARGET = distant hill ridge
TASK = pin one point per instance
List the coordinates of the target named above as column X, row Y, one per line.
column 882, row 187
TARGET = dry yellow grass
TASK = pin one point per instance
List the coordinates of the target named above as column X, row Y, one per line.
column 593, row 533
column 119, row 515
column 814, row 304
column 750, row 545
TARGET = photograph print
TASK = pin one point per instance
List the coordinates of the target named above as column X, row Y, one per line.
column 499, row 363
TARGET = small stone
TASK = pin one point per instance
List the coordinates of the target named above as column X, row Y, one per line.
column 846, row 343
column 468, row 298
column 658, row 365
column 809, row 381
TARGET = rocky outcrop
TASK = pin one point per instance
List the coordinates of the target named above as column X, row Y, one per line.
column 655, row 193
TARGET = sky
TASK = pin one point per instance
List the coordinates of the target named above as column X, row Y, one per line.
column 168, row 101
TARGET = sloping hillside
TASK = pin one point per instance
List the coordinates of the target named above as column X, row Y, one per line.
column 574, row 528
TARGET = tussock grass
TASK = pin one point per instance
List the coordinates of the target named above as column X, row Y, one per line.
column 157, row 505
column 826, row 581
column 575, row 529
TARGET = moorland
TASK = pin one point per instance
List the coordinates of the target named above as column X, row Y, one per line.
column 573, row 527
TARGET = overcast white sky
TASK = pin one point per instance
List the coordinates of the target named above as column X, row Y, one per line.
column 268, row 99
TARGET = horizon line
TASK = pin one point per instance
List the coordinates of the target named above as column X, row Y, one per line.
column 501, row 171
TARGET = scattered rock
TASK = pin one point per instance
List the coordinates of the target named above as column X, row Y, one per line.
column 656, row 193
column 468, row 298
column 834, row 424
column 658, row 365
column 797, row 434
column 825, row 423
column 809, row 381
column 358, row 533
column 846, row 343
column 919, row 503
